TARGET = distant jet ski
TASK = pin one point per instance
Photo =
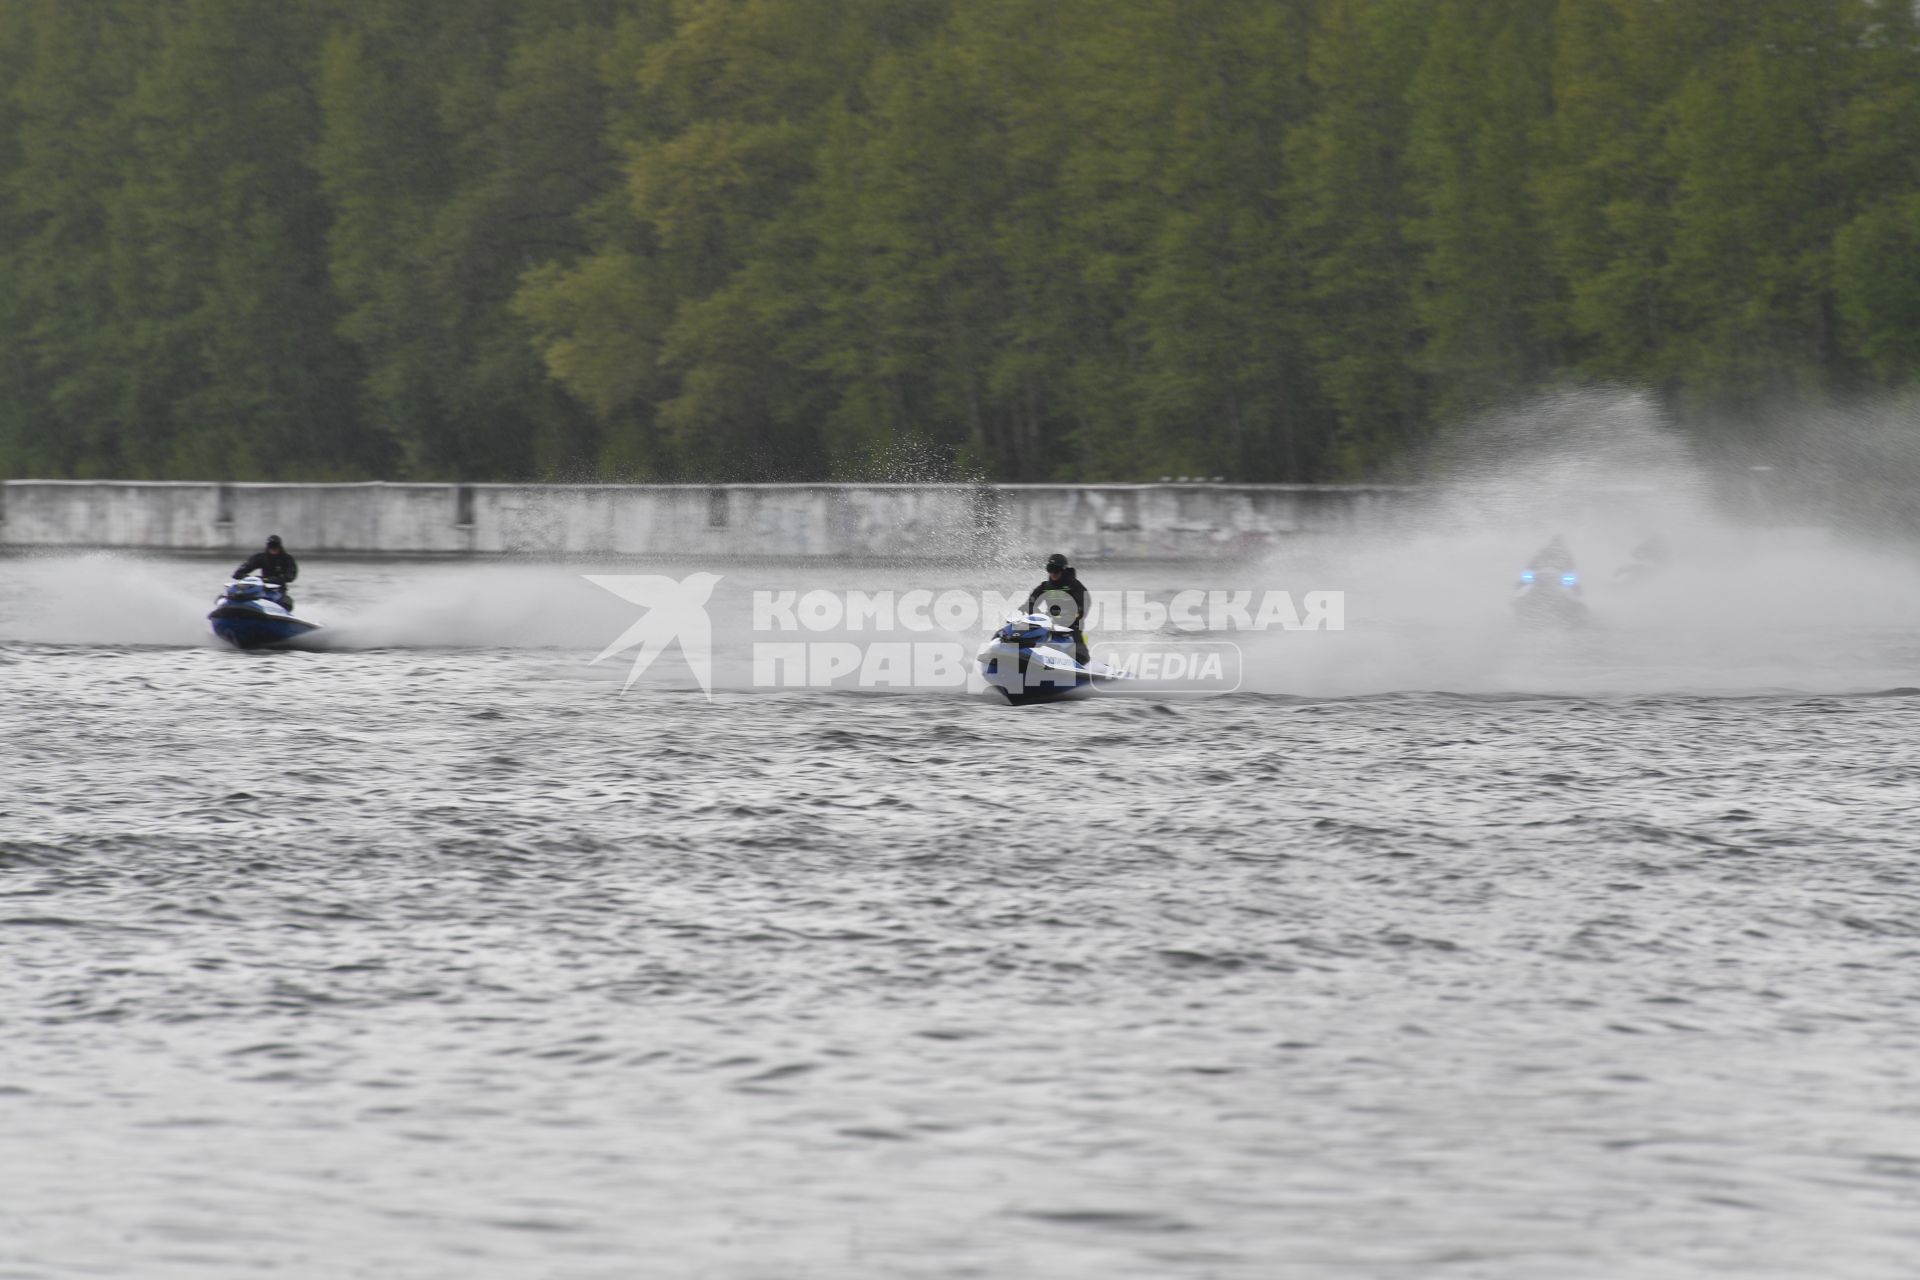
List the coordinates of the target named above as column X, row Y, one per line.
column 1648, row 560
column 251, row 614
column 1030, row 659
column 1549, row 597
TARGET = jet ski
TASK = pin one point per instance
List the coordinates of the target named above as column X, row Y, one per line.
column 251, row 614
column 1549, row 597
column 1031, row 659
column 1648, row 560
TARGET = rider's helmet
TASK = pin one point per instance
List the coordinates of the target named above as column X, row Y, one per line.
column 1056, row 563
column 273, row 542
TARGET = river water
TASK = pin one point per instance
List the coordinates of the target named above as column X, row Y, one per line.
column 1437, row 950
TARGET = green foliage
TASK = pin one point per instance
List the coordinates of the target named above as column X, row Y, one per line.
column 1035, row 239
column 1604, row 185
column 462, row 141
column 75, row 69
column 1351, row 181
column 1488, row 308
column 1756, row 206
column 1877, row 262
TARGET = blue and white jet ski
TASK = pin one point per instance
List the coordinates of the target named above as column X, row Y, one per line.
column 251, row 614
column 1031, row 659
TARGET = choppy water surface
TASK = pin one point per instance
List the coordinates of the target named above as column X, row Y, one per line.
column 447, row 960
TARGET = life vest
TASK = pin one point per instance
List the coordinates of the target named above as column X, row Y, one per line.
column 1058, row 603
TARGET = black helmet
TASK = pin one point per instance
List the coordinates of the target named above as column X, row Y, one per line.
column 273, row 542
column 1056, row 563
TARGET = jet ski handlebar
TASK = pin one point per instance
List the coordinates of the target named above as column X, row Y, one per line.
column 1032, row 620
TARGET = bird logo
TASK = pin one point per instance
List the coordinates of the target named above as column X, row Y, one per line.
column 674, row 611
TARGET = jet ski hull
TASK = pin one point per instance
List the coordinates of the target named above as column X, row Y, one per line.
column 1031, row 661
column 253, row 615
column 1025, row 681
column 1550, row 607
column 245, row 630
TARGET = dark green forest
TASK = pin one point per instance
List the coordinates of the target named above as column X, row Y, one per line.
column 1024, row 239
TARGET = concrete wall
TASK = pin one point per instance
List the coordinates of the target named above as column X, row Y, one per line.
column 704, row 522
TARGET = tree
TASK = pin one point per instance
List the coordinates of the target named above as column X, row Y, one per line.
column 231, row 364
column 1491, row 315
column 1757, row 203
column 1224, row 378
column 461, row 142
column 70, row 148
column 1605, row 181
column 1877, row 252
column 1350, row 178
